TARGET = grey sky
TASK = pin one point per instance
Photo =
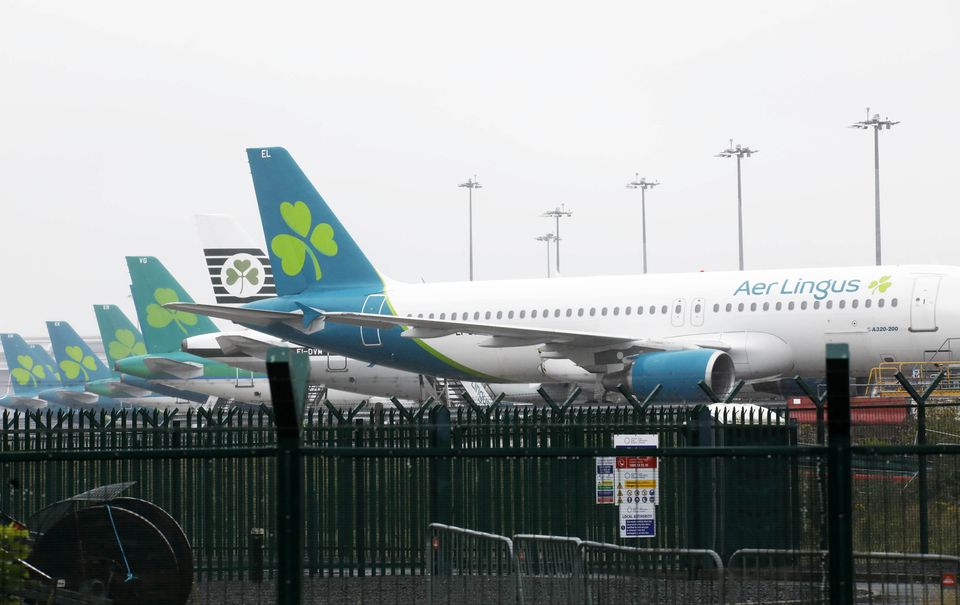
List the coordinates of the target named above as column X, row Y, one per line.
column 118, row 123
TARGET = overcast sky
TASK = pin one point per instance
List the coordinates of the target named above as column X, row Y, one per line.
column 117, row 123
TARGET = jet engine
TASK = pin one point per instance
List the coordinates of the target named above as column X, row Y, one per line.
column 679, row 373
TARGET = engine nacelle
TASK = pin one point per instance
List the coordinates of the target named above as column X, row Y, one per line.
column 679, row 372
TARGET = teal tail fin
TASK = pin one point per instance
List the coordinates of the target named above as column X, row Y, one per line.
column 77, row 362
column 309, row 247
column 152, row 287
column 121, row 339
column 31, row 369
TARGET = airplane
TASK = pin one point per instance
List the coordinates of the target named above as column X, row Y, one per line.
column 31, row 372
column 639, row 331
column 241, row 272
column 122, row 339
column 78, row 366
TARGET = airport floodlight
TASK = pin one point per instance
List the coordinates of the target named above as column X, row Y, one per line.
column 642, row 184
column 471, row 184
column 557, row 214
column 549, row 237
column 877, row 125
column 739, row 152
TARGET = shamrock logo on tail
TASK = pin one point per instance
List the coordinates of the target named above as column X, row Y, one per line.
column 880, row 285
column 125, row 345
column 243, row 272
column 77, row 363
column 160, row 317
column 28, row 372
column 293, row 250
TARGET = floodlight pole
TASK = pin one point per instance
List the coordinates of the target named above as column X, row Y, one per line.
column 876, row 123
column 547, row 239
column 642, row 184
column 557, row 213
column 471, row 184
column 738, row 152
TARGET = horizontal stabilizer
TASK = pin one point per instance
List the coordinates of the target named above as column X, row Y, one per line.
column 179, row 369
column 235, row 344
column 121, row 390
column 20, row 402
column 252, row 317
column 75, row 398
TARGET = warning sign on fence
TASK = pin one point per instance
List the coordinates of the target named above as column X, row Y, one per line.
column 637, row 488
column 606, row 467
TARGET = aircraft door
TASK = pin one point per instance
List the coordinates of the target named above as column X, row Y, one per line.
column 336, row 363
column 696, row 313
column 923, row 303
column 373, row 304
column 676, row 317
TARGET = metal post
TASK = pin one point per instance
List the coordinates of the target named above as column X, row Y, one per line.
column 839, row 493
column 876, row 186
column 739, row 214
column 441, row 507
column 643, row 224
column 470, row 185
column 287, row 372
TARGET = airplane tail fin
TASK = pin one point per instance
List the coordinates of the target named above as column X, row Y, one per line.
column 309, row 247
column 31, row 369
column 121, row 339
column 152, row 287
column 77, row 362
column 239, row 269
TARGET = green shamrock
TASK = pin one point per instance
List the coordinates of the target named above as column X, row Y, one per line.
column 882, row 284
column 293, row 250
column 29, row 371
column 160, row 317
column 241, row 270
column 77, row 363
column 125, row 345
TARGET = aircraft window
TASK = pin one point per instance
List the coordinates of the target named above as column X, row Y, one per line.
column 430, row 316
column 779, row 305
column 510, row 315
column 729, row 307
column 696, row 308
column 867, row 303
column 569, row 312
column 546, row 313
column 880, row 303
column 766, row 306
column 593, row 311
column 603, row 311
column 816, row 304
column 499, row 314
column 842, row 304
column 652, row 310
column 476, row 314
column 616, row 310
column 790, row 306
column 803, row 306
column 556, row 312
column 676, row 309
column 829, row 304
column 753, row 306
column 453, row 317
column 627, row 310
column 487, row 315
column 740, row 307
column 893, row 302
column 443, row 316
column 580, row 312
column 663, row 309
column 854, row 303
column 716, row 308
column 409, row 314
column 533, row 314
column 420, row 315
column 522, row 313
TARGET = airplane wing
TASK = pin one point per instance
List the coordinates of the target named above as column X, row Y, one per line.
column 77, row 397
column 309, row 320
column 172, row 367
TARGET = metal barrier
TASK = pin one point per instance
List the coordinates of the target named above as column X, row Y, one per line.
column 467, row 566
column 776, row 576
column 551, row 568
column 625, row 574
